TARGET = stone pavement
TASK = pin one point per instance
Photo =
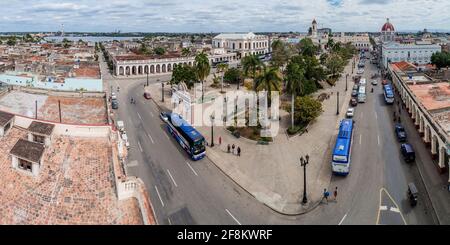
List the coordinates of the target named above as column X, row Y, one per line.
column 272, row 173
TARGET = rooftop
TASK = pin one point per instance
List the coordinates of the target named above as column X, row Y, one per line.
column 41, row 128
column 5, row 117
column 28, row 150
column 433, row 96
column 76, row 185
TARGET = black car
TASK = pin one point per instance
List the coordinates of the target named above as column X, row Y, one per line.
column 408, row 153
column 355, row 93
column 400, row 132
column 115, row 104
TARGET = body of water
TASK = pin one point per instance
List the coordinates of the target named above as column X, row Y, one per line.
column 90, row 38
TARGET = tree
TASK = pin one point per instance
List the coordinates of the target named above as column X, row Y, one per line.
column 295, row 77
column 330, row 43
column 183, row 73
column 313, row 71
column 222, row 68
column 251, row 63
column 307, row 109
column 307, row 47
column 159, row 50
column 202, row 68
column 440, row 59
column 334, row 64
column 185, row 52
column 280, row 53
column 232, row 75
column 11, row 41
column 269, row 80
column 66, row 43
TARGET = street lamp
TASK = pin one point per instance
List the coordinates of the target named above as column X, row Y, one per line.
column 162, row 90
column 337, row 104
column 147, row 77
column 238, row 82
column 346, row 84
column 303, row 163
column 212, row 130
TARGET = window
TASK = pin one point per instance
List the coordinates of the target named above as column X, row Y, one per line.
column 39, row 139
column 25, row 165
column 6, row 128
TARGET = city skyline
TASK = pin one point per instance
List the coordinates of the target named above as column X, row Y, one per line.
column 232, row 16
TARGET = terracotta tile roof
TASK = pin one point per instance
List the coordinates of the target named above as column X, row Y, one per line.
column 404, row 66
column 41, row 128
column 433, row 96
column 27, row 150
column 5, row 117
column 87, row 72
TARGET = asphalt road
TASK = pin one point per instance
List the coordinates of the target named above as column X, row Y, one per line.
column 186, row 192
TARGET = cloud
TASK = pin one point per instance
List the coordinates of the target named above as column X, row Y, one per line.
column 221, row 16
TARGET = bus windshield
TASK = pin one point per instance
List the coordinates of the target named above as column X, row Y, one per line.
column 199, row 146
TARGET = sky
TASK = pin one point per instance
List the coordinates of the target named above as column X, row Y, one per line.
column 221, row 15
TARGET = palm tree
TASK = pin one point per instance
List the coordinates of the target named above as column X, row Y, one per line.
column 269, row 80
column 251, row 63
column 185, row 52
column 222, row 68
column 295, row 77
column 202, row 68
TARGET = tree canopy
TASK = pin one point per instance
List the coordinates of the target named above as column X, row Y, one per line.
column 441, row 59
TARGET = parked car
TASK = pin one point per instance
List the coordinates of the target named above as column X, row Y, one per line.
column 115, row 104
column 353, row 102
column 350, row 112
column 125, row 140
column 408, row 153
column 374, row 82
column 360, row 71
column 384, row 82
column 121, row 126
column 400, row 132
column 355, row 87
column 164, row 116
column 355, row 93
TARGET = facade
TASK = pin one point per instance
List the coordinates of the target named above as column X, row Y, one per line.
column 243, row 44
column 428, row 103
column 359, row 41
column 417, row 53
column 319, row 36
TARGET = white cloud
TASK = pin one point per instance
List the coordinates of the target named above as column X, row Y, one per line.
column 218, row 16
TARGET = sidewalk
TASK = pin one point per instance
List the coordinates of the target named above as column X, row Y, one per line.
column 272, row 173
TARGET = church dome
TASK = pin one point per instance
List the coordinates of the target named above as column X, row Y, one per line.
column 387, row 27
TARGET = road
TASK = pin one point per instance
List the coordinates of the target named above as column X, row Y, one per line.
column 187, row 192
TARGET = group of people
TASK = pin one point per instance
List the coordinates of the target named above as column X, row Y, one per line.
column 233, row 147
column 326, row 194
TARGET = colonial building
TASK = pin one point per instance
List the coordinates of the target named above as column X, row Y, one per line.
column 387, row 32
column 428, row 103
column 359, row 41
column 319, row 36
column 243, row 44
column 418, row 53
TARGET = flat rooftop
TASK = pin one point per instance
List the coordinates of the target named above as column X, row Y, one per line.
column 73, row 110
column 76, row 185
column 433, row 96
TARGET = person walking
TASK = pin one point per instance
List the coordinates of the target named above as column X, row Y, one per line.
column 232, row 147
column 326, row 194
column 394, row 116
column 220, row 140
column 228, row 148
column 335, row 194
column 239, row 151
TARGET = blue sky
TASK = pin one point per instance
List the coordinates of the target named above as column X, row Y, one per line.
column 221, row 15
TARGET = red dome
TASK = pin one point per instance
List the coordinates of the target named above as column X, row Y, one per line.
column 387, row 27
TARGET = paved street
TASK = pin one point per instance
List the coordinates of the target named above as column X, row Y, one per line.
column 185, row 192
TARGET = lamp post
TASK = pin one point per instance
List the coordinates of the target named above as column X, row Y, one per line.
column 147, row 77
column 162, row 90
column 337, row 104
column 303, row 163
column 212, row 130
column 346, row 84
column 238, row 82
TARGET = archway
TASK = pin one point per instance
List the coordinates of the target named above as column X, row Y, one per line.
column 133, row 70
column 140, row 70
column 146, row 70
column 121, row 71
column 158, row 69
column 169, row 67
column 128, row 71
column 152, row 69
column 163, row 68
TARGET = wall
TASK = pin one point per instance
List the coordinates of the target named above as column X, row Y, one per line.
column 70, row 84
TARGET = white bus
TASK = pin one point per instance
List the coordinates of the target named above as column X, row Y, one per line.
column 362, row 94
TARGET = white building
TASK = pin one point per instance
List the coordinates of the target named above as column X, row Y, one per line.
column 387, row 32
column 360, row 41
column 418, row 53
column 319, row 36
column 243, row 44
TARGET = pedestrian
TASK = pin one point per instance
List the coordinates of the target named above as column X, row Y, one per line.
column 239, row 151
column 394, row 115
column 232, row 147
column 228, row 148
column 220, row 140
column 399, row 120
column 335, row 194
column 326, row 194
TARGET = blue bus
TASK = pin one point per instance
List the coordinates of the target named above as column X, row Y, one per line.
column 342, row 150
column 388, row 94
column 187, row 136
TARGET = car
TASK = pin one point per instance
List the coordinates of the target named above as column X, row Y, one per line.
column 408, row 153
column 147, row 95
column 360, row 71
column 350, row 112
column 164, row 116
column 355, row 87
column 115, row 104
column 400, row 132
column 353, row 102
column 384, row 82
column 121, row 126
column 374, row 82
column 355, row 93
column 125, row 140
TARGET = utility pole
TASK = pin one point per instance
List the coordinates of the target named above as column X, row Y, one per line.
column 337, row 104
column 59, row 109
column 303, row 163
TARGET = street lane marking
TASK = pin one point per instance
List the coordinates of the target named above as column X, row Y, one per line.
column 191, row 168
column 140, row 147
column 342, row 220
column 237, row 221
column 157, row 192
column 151, row 114
column 139, row 115
column 360, row 139
column 378, row 138
column 153, row 142
column 394, row 209
column 170, row 175
column 383, row 208
column 170, row 222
